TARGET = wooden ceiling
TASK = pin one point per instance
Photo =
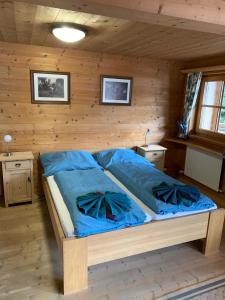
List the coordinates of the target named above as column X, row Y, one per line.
column 30, row 24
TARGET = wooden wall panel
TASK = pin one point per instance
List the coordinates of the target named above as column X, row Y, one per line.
column 157, row 94
column 175, row 156
column 206, row 62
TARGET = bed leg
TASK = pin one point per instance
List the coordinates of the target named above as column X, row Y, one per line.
column 75, row 269
column 214, row 233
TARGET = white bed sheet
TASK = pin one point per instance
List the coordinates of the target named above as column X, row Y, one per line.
column 61, row 208
column 67, row 223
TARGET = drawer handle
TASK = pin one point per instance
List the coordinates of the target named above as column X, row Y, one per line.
column 155, row 154
column 28, row 179
column 17, row 165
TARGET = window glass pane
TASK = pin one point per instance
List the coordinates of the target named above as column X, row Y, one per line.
column 221, row 125
column 208, row 118
column 212, row 92
column 223, row 101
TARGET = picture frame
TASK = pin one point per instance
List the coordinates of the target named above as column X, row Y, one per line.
column 49, row 87
column 116, row 90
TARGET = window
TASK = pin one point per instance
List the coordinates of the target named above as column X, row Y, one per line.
column 211, row 113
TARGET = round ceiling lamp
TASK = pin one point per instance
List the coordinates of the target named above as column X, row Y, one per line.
column 68, row 33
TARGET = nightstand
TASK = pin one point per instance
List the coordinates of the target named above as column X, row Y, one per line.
column 17, row 171
column 155, row 154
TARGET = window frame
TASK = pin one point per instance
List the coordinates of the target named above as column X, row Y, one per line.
column 203, row 132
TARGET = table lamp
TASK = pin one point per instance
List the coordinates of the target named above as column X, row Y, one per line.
column 148, row 131
column 7, row 139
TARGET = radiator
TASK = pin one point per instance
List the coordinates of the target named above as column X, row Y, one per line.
column 203, row 167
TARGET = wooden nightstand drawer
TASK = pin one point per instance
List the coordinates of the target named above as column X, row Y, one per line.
column 154, row 156
column 17, row 171
column 17, row 165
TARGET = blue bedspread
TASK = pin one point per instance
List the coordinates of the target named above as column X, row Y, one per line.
column 141, row 178
column 79, row 182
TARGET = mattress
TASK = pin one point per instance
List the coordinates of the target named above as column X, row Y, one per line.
column 63, row 213
column 67, row 223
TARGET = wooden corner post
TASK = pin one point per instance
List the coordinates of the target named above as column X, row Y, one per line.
column 214, row 232
column 75, row 268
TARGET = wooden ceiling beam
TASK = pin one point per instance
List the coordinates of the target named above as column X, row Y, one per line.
column 215, row 69
column 198, row 15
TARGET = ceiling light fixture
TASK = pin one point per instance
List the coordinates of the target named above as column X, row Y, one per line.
column 68, row 33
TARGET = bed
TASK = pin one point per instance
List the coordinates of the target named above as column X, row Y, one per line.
column 77, row 254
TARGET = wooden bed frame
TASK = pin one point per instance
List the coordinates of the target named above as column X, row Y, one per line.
column 78, row 254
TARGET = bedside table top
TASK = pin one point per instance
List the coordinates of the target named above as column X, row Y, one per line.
column 17, row 156
column 150, row 148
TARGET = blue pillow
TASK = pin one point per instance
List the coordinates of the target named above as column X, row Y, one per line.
column 54, row 162
column 108, row 157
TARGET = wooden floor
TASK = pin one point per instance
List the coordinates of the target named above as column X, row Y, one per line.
column 29, row 266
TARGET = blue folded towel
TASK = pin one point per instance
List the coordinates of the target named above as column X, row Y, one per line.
column 109, row 205
column 176, row 193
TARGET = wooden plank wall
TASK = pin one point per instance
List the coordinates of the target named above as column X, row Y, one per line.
column 157, row 96
column 206, row 62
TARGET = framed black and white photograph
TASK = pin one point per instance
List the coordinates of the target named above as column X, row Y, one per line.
column 50, row 87
column 116, row 90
